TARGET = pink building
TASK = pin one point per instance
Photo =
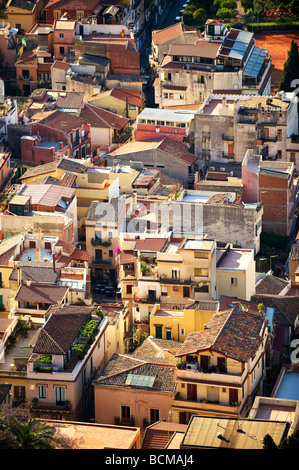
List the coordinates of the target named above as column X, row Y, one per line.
column 68, row 134
column 154, row 122
column 64, row 38
column 8, row 46
column 134, row 391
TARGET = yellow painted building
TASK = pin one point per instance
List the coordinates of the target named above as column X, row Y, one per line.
column 22, row 15
column 178, row 324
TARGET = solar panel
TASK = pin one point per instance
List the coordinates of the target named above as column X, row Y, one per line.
column 255, row 62
column 140, row 380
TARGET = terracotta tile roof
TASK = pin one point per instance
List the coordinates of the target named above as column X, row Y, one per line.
column 66, row 248
column 63, row 121
column 47, row 195
column 4, row 390
column 286, row 308
column 177, row 149
column 36, row 272
column 23, row 4
column 60, row 64
column 226, row 303
column 72, row 4
column 70, row 165
column 114, row 374
column 150, row 244
column 59, row 332
column 232, row 332
column 271, row 285
column 134, row 97
column 80, row 255
column 154, row 347
column 67, row 180
column 172, row 32
column 69, row 100
column 27, row 58
column 39, row 293
column 126, row 257
column 99, row 117
column 158, row 435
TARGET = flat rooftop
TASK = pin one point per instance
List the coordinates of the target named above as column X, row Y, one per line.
column 235, row 259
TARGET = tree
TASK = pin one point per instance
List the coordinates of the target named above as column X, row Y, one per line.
column 225, row 13
column 30, row 435
column 290, row 69
column 291, row 442
column 200, row 14
column 268, row 443
column 19, row 431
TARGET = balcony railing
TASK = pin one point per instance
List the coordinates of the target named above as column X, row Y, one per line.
column 229, row 138
column 105, row 261
column 207, row 406
column 228, row 156
column 99, row 241
column 170, row 280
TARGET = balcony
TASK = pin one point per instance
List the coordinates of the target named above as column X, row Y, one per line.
column 206, row 407
column 224, row 378
column 228, row 138
column 103, row 261
column 228, row 156
column 169, row 280
column 99, row 241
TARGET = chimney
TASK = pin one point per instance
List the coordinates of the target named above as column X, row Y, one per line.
column 53, row 259
column 19, row 277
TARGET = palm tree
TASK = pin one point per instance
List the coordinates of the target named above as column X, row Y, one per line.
column 28, row 435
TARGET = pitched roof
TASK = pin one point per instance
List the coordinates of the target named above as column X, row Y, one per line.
column 171, row 32
column 72, row 4
column 69, row 100
column 66, row 122
column 36, row 272
column 162, row 377
column 134, row 97
column 47, row 194
column 39, row 293
column 39, row 170
column 168, row 145
column 271, row 285
column 150, row 244
column 28, row 58
column 59, row 332
column 60, row 64
column 7, row 248
column 158, row 435
column 177, row 149
column 232, row 332
column 23, row 4
column 286, row 308
column 99, row 117
column 154, row 347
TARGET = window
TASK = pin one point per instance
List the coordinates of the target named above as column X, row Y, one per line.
column 129, row 289
column 279, row 135
column 202, row 272
column 204, row 288
column 110, row 234
column 67, row 234
column 167, row 76
column 186, row 291
column 182, row 331
column 61, row 35
column 19, row 27
column 154, row 415
column 200, row 254
column 131, row 107
column 80, row 15
column 292, row 157
column 60, row 396
column 125, row 414
column 110, row 253
column 19, row 392
column 61, row 50
column 233, row 281
column 42, row 391
column 56, row 14
column 175, row 275
column 168, row 334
